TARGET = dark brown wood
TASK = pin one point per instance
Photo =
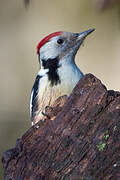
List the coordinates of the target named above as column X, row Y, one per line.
column 81, row 143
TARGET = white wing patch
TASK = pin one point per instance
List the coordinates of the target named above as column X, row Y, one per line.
column 31, row 97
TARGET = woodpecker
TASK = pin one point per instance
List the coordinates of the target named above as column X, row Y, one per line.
column 58, row 72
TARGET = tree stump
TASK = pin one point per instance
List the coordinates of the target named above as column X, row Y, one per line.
column 82, row 142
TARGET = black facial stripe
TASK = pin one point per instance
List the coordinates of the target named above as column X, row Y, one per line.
column 52, row 65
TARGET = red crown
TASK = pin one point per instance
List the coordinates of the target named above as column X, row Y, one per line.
column 46, row 39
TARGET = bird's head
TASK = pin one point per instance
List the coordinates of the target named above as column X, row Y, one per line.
column 61, row 44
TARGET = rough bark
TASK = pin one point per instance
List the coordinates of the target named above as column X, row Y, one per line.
column 81, row 143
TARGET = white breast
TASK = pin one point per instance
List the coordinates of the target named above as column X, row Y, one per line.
column 69, row 76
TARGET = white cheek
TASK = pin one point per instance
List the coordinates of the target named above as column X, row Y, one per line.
column 49, row 51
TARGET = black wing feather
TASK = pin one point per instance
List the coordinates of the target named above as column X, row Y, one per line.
column 34, row 97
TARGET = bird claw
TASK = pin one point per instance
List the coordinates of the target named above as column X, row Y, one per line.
column 45, row 114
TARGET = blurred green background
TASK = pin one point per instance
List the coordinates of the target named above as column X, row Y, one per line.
column 22, row 27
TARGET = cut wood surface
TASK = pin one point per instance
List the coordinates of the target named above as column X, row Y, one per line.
column 79, row 141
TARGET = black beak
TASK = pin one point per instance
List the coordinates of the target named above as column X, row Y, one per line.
column 82, row 35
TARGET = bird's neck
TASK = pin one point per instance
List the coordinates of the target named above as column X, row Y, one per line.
column 57, row 68
column 69, row 70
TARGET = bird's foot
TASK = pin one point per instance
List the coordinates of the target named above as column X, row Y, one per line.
column 47, row 110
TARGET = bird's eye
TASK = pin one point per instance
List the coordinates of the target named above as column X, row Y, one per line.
column 60, row 41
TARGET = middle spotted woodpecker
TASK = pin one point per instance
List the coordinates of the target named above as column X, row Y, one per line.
column 58, row 72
